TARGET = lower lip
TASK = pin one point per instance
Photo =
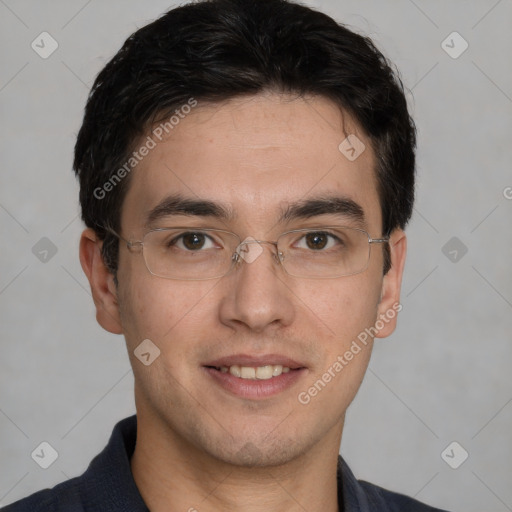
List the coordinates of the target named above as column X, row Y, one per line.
column 255, row 388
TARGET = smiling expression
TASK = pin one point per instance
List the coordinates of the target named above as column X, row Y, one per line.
column 236, row 351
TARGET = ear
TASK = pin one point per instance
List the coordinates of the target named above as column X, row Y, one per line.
column 103, row 288
column 389, row 305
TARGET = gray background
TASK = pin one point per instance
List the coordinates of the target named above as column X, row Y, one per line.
column 443, row 376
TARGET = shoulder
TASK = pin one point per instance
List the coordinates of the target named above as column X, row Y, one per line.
column 394, row 502
column 63, row 497
column 107, row 484
column 362, row 496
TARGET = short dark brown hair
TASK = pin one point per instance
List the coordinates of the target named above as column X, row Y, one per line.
column 214, row 50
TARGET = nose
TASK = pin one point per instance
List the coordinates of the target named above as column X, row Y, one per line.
column 257, row 294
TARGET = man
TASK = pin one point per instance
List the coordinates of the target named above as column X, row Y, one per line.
column 246, row 172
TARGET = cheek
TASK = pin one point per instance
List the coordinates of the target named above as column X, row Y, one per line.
column 135, row 310
column 147, row 308
column 162, row 310
column 345, row 306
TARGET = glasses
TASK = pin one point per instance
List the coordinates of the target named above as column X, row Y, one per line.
column 196, row 254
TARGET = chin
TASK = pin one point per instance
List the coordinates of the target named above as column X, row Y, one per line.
column 263, row 448
column 252, row 455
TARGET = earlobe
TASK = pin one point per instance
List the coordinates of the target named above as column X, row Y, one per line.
column 389, row 305
column 101, row 280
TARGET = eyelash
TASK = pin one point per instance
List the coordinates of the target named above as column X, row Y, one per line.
column 175, row 240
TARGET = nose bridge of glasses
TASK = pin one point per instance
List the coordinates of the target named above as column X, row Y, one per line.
column 244, row 252
column 135, row 245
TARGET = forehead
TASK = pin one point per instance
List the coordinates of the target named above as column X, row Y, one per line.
column 255, row 156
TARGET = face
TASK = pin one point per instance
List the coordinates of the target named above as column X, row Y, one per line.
column 256, row 157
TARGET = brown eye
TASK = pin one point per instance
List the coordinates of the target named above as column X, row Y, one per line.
column 317, row 240
column 193, row 241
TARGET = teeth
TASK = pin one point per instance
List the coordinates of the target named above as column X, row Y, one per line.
column 264, row 372
column 277, row 370
column 246, row 372
column 252, row 373
column 235, row 370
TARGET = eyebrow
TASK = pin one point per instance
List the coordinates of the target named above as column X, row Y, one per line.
column 179, row 205
column 303, row 209
column 313, row 207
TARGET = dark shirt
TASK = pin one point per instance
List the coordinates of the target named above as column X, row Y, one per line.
column 108, row 486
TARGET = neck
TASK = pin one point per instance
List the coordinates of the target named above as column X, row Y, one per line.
column 174, row 476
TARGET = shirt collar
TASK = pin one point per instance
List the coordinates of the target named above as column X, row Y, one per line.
column 108, row 483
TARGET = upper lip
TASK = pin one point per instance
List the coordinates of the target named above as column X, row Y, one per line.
column 255, row 361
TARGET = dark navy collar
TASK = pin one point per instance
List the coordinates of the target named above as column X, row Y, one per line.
column 108, row 483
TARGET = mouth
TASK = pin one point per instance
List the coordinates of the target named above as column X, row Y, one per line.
column 265, row 372
column 255, row 377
